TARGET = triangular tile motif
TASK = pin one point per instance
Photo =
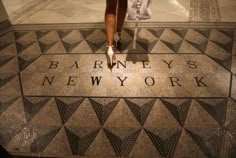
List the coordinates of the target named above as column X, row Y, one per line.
column 4, row 45
column 178, row 107
column 161, row 47
column 228, row 32
column 146, row 36
column 214, row 50
column 140, row 108
column 103, row 107
column 226, row 46
column 186, row 47
column 226, row 63
column 219, row 37
column 198, row 117
column 157, row 32
column 84, row 116
column 96, row 39
column 45, row 47
column 23, row 63
column 180, row 32
column 205, row 32
column 86, row 32
column 48, row 37
column 14, row 114
column 165, row 140
column 173, row 46
column 52, row 48
column 80, row 139
column 27, row 38
column 10, row 66
column 28, row 55
column 22, row 47
column 101, row 146
column 229, row 146
column 144, row 147
column 7, row 132
column 230, row 121
column 5, row 60
column 19, row 35
column 67, row 106
column 216, row 108
column 186, row 142
column 208, row 139
column 9, row 85
column 45, row 134
column 122, row 140
column 199, row 46
column 22, row 140
column 6, row 102
column 122, row 117
column 70, row 39
column 160, row 117
column 40, row 34
column 7, row 49
column 7, row 37
column 72, row 36
column 5, row 79
column 47, row 115
column 140, row 48
column 63, row 34
column 95, row 46
column 33, row 105
column 59, row 145
column 70, row 46
column 171, row 39
column 50, row 42
column 82, row 47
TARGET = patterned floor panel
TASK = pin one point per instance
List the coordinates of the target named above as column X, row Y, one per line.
column 45, row 125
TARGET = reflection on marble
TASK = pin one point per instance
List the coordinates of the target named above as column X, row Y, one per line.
column 69, row 11
column 84, row 11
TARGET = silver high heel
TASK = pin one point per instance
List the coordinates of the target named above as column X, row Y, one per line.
column 111, row 56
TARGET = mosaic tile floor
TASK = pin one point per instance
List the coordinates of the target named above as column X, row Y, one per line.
column 144, row 116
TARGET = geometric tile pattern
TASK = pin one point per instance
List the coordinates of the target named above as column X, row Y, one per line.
column 47, row 126
column 218, row 44
column 207, row 126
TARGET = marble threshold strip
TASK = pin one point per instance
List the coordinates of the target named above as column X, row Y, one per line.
column 28, row 10
column 56, row 26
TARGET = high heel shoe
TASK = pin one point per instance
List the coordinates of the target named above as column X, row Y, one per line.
column 111, row 56
column 117, row 40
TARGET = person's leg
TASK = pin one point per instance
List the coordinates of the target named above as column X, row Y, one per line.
column 122, row 9
column 110, row 20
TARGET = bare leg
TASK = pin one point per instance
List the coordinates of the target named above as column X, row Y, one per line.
column 110, row 20
column 122, row 8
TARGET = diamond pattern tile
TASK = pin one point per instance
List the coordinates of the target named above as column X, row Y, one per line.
column 91, row 126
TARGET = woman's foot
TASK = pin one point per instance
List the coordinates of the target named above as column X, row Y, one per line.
column 117, row 39
column 111, row 56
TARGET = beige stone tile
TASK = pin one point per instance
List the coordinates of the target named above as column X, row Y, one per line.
column 45, row 16
column 12, row 6
column 228, row 11
column 181, row 78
